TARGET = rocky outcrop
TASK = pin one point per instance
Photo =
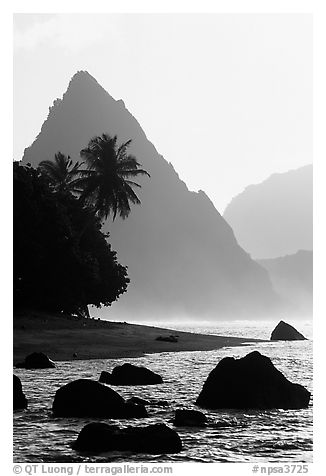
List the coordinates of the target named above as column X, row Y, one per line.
column 20, row 401
column 284, row 331
column 128, row 374
column 153, row 439
column 189, row 418
column 87, row 398
column 37, row 360
column 251, row 382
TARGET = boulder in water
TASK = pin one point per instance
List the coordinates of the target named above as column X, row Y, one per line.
column 284, row 331
column 128, row 374
column 20, row 401
column 189, row 418
column 87, row 398
column 105, row 377
column 251, row 382
column 36, row 360
column 153, row 439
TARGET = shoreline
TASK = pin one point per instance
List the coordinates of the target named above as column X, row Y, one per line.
column 61, row 336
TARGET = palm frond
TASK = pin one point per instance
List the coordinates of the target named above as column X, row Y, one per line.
column 105, row 181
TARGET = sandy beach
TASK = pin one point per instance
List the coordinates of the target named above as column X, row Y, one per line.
column 62, row 336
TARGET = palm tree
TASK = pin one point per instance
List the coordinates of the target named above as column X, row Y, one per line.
column 106, row 182
column 61, row 172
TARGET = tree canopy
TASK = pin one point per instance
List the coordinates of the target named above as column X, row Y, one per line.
column 62, row 260
column 61, row 172
column 55, row 266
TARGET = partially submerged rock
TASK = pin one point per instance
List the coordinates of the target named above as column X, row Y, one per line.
column 105, row 377
column 128, row 374
column 189, row 418
column 87, row 398
column 284, row 331
column 153, row 403
column 20, row 401
column 251, row 382
column 36, row 360
column 153, row 439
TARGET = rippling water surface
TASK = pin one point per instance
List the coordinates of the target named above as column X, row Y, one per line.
column 231, row 436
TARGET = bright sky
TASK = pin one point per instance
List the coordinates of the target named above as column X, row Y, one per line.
column 227, row 99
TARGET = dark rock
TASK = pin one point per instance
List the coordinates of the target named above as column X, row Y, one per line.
column 153, row 439
column 36, row 360
column 97, row 437
column 251, row 382
column 134, row 410
column 128, row 374
column 152, row 403
column 20, row 401
column 170, row 338
column 87, row 398
column 189, row 418
column 105, row 377
column 284, row 331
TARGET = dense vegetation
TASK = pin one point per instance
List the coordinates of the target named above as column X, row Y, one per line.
column 62, row 261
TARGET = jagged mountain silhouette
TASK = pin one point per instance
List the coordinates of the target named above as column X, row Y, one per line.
column 182, row 256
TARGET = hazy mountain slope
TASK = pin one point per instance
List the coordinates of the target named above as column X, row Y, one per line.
column 181, row 254
column 274, row 218
column 292, row 278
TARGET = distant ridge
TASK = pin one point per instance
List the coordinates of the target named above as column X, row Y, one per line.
column 292, row 278
column 274, row 218
column 182, row 256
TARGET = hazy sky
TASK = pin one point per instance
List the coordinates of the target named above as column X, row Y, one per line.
column 227, row 99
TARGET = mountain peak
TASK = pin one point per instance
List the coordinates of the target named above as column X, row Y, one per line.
column 84, row 79
column 83, row 84
column 168, row 242
column 82, row 76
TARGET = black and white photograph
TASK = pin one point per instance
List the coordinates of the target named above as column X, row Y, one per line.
column 163, row 240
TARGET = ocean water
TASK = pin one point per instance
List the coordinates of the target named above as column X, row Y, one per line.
column 231, row 436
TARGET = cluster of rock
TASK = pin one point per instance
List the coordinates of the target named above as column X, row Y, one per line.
column 251, row 382
column 88, row 398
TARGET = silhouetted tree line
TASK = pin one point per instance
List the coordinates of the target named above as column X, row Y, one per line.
column 62, row 260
